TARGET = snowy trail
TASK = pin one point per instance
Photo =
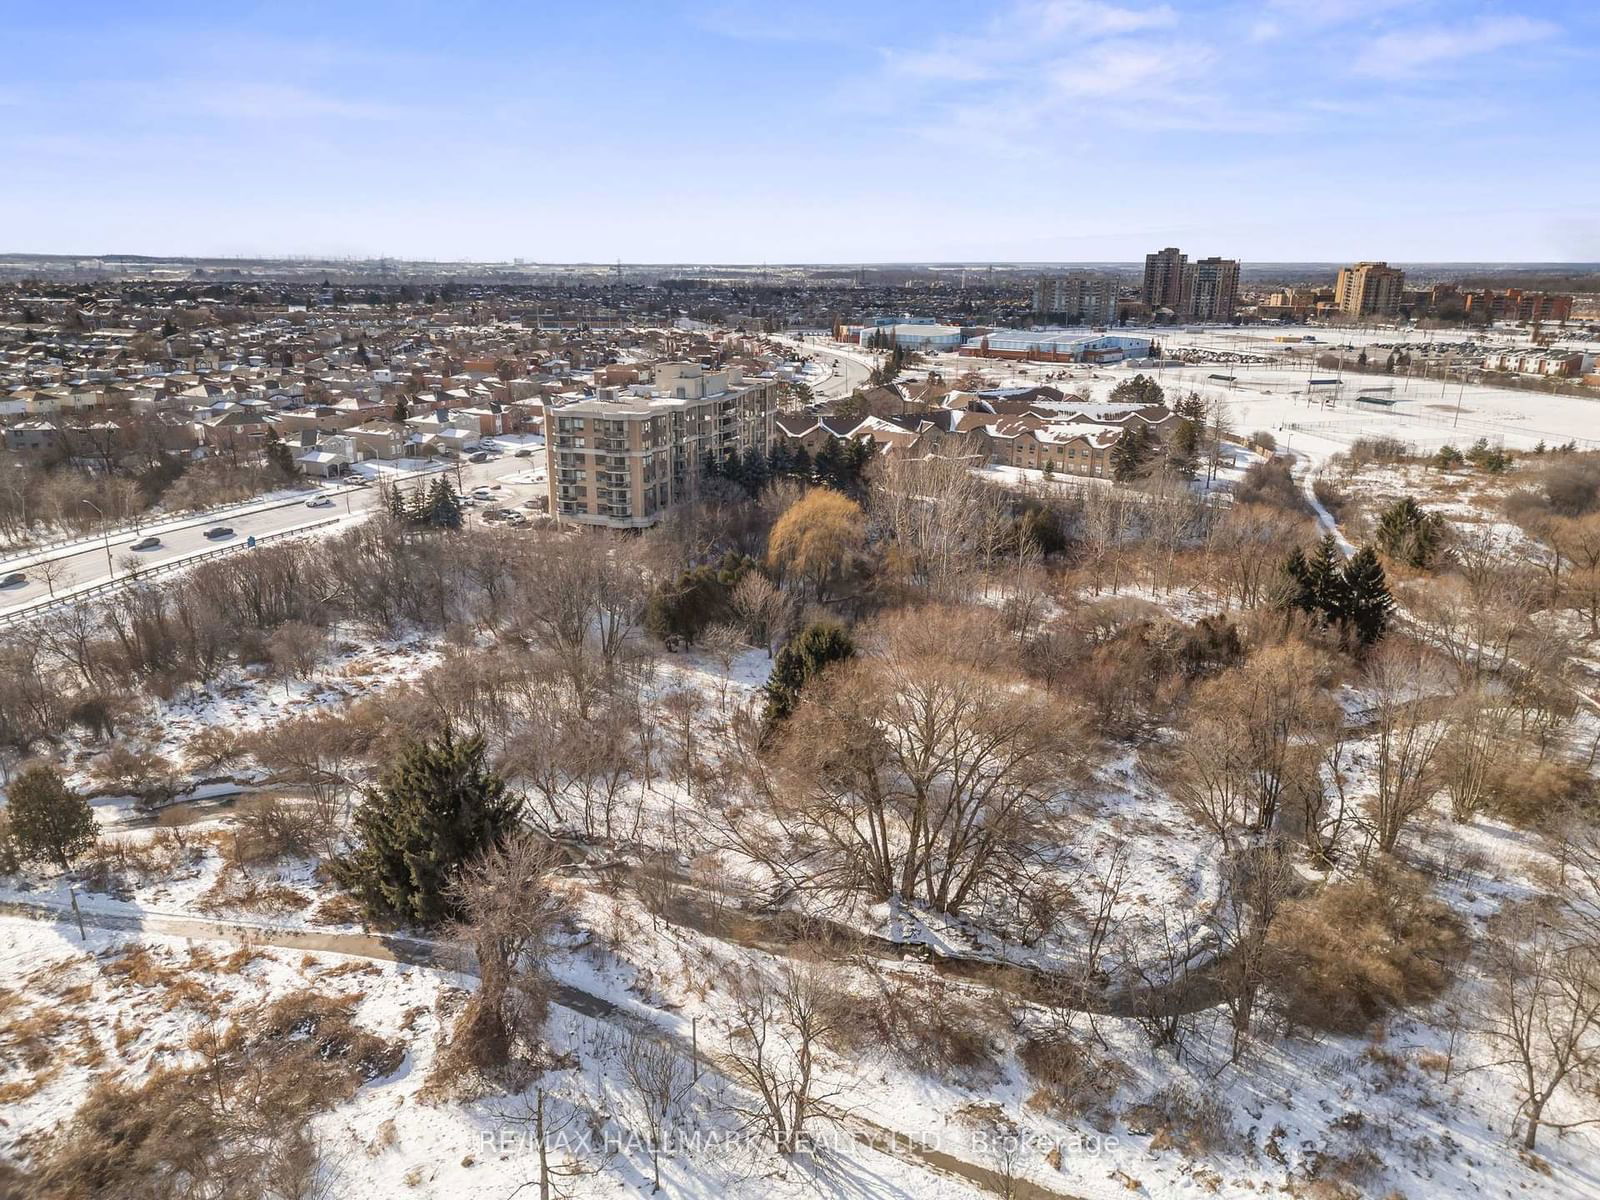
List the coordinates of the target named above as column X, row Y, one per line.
column 440, row 956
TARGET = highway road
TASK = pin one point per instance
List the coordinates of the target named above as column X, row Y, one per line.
column 84, row 564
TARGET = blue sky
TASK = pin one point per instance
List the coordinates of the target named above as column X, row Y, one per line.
column 739, row 131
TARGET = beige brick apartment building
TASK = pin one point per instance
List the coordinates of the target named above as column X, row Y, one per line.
column 623, row 457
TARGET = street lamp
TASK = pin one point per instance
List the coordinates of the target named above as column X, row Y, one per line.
column 111, row 570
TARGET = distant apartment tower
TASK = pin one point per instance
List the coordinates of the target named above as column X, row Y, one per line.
column 1080, row 299
column 1369, row 289
column 623, row 458
column 1163, row 279
column 1210, row 289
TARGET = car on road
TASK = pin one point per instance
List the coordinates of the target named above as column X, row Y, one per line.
column 480, row 456
column 319, row 502
column 482, row 493
column 146, row 543
column 218, row 532
column 15, row 579
column 523, row 453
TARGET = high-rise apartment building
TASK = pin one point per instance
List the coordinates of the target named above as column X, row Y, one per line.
column 622, row 458
column 1210, row 289
column 1080, row 299
column 1163, row 279
column 1369, row 289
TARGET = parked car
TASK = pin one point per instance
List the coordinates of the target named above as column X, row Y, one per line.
column 493, row 514
column 217, row 532
column 319, row 502
column 146, row 543
column 15, row 579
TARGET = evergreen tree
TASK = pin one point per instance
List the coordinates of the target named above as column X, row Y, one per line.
column 394, row 501
column 1183, row 448
column 402, row 409
column 780, row 461
column 436, row 810
column 1324, row 581
column 1131, row 452
column 801, row 660
column 753, row 470
column 280, row 456
column 444, row 507
column 1410, row 534
column 800, row 465
column 1191, row 408
column 1141, row 389
column 418, row 506
column 1367, row 602
column 47, row 819
column 1295, row 587
column 827, row 465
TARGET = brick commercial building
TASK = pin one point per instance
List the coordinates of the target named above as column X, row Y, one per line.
column 623, row 458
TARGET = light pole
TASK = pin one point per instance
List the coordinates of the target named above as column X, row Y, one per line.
column 111, row 570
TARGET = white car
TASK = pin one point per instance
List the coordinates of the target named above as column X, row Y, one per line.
column 482, row 493
column 319, row 502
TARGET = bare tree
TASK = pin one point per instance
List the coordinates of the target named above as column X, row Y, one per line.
column 510, row 912
column 776, row 1031
column 658, row 1081
column 1544, row 1010
column 1400, row 680
column 764, row 609
column 919, row 777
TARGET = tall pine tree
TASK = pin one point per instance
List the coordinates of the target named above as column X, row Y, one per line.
column 438, row 808
column 1367, row 602
column 1324, row 581
column 1130, row 453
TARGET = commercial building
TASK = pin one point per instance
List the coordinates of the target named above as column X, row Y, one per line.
column 623, row 457
column 1369, row 289
column 1163, row 279
column 1210, row 289
column 1077, row 299
column 1056, row 345
column 912, row 335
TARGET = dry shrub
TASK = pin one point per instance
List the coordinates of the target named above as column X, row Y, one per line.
column 114, row 864
column 1072, row 1081
column 234, row 1127
column 1178, row 1118
column 237, row 890
column 1528, row 793
column 1361, row 947
column 933, row 1030
column 338, row 909
column 212, row 748
column 272, row 828
column 138, row 967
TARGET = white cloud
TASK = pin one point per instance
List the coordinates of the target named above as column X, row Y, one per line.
column 1018, row 38
column 1406, row 52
